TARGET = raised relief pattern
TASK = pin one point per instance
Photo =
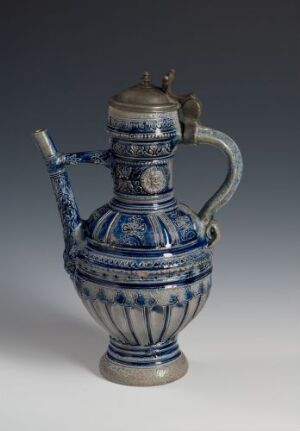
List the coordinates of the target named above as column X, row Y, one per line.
column 132, row 179
column 197, row 257
column 65, row 201
column 155, row 126
column 139, row 150
column 153, row 180
column 142, row 125
column 184, row 225
column 133, row 231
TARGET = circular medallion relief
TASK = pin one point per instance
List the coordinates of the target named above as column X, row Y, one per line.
column 153, row 180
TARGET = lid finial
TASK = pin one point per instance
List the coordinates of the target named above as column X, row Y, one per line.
column 146, row 79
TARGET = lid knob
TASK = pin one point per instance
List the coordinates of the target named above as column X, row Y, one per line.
column 146, row 80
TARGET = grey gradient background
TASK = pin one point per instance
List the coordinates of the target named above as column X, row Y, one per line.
column 60, row 63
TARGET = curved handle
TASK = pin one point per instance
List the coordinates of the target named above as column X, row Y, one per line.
column 205, row 135
column 195, row 133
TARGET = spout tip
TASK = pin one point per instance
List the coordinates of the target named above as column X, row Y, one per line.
column 45, row 143
column 37, row 131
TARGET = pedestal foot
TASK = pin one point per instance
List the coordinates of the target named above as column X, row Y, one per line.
column 119, row 368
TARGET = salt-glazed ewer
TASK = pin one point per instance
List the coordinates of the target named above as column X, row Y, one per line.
column 142, row 263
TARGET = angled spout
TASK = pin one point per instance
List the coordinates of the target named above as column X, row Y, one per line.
column 73, row 225
column 68, row 209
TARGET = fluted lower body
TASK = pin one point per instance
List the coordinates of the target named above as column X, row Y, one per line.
column 144, row 326
column 143, row 329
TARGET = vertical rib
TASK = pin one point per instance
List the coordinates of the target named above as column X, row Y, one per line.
column 170, row 228
column 99, row 223
column 138, row 325
column 157, row 322
column 147, row 317
column 167, row 315
column 89, row 306
column 181, row 322
column 97, row 315
column 198, row 303
column 203, row 299
column 101, row 309
column 111, row 226
column 130, row 326
column 109, row 313
column 193, row 304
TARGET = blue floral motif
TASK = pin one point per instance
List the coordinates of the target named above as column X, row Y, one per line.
column 173, row 299
column 183, row 224
column 140, row 300
column 133, row 231
column 153, row 149
column 95, row 157
column 66, row 203
column 129, row 179
column 152, row 302
column 141, row 126
column 101, row 295
column 188, row 294
column 120, row 298
column 69, row 213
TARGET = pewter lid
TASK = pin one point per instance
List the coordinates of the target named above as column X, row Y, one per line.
column 144, row 97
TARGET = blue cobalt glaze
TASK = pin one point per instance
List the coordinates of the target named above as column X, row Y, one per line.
column 151, row 230
column 142, row 263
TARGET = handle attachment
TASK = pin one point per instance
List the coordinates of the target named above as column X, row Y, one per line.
column 56, row 160
column 190, row 109
column 194, row 133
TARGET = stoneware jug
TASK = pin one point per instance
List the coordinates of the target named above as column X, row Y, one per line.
column 142, row 263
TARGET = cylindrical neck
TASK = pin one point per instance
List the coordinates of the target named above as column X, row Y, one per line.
column 143, row 144
column 143, row 175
